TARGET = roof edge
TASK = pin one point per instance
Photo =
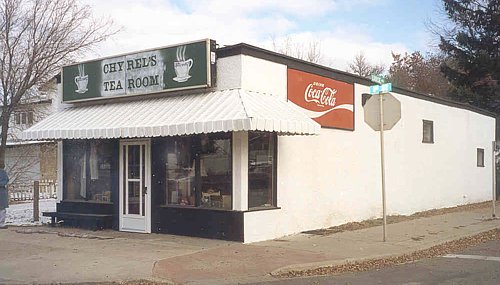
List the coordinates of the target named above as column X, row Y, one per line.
column 295, row 63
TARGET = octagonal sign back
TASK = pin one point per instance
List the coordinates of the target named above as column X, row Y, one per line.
column 392, row 111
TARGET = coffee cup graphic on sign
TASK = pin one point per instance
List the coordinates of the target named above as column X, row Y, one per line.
column 182, row 65
column 82, row 80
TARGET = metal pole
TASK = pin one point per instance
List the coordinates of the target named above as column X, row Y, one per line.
column 36, row 198
column 382, row 166
column 494, row 172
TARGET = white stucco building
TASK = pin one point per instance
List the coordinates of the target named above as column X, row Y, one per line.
column 266, row 146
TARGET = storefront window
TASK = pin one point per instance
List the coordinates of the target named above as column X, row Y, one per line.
column 87, row 170
column 216, row 171
column 198, row 170
column 180, row 172
column 261, row 170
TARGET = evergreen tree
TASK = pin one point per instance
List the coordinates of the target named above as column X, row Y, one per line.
column 472, row 47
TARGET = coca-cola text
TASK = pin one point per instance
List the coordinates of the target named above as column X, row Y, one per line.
column 323, row 96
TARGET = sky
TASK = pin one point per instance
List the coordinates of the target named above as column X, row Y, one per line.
column 342, row 28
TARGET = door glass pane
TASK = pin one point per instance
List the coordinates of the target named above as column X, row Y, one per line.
column 134, row 193
column 134, row 161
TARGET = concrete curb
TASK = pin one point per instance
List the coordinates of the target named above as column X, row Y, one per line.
column 332, row 263
column 329, row 263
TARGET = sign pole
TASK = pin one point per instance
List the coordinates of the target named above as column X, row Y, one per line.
column 494, row 178
column 374, row 117
column 382, row 166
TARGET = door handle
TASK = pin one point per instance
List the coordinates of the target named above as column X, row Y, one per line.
column 145, row 190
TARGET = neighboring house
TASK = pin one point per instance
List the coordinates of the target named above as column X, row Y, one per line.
column 29, row 161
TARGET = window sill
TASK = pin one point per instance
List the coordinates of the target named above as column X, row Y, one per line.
column 258, row 209
column 197, row 208
column 86, row 201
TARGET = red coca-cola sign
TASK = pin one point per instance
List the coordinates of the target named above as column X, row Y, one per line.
column 329, row 102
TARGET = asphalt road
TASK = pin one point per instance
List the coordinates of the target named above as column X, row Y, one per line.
column 475, row 265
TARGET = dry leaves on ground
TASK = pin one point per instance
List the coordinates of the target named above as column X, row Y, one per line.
column 396, row 219
column 438, row 250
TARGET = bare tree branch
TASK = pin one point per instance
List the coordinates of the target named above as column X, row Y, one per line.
column 38, row 37
column 310, row 52
column 362, row 67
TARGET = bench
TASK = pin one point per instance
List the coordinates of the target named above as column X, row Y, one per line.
column 93, row 221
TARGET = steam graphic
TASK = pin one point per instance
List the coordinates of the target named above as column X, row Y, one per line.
column 81, row 70
column 182, row 66
column 81, row 80
column 181, row 53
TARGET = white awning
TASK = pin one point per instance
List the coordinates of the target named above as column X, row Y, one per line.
column 218, row 111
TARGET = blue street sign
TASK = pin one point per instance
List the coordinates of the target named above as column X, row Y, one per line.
column 386, row 87
column 376, row 89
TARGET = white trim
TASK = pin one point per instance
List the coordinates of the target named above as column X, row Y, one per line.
column 111, row 98
column 21, row 143
column 59, row 188
column 132, row 222
column 240, row 171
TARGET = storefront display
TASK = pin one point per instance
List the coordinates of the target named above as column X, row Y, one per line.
column 87, row 168
column 197, row 162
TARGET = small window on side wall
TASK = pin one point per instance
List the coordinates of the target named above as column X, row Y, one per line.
column 480, row 157
column 428, row 131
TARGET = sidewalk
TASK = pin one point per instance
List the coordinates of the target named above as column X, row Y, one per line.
column 254, row 262
column 64, row 255
column 45, row 255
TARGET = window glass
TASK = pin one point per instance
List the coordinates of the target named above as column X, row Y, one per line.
column 23, row 118
column 261, row 169
column 87, row 170
column 428, row 131
column 134, row 187
column 133, row 197
column 180, row 171
column 216, row 171
column 480, row 157
column 30, row 117
column 198, row 170
column 134, row 164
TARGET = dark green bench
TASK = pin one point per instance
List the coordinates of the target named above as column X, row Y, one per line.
column 93, row 221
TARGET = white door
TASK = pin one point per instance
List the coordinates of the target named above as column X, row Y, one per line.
column 135, row 182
